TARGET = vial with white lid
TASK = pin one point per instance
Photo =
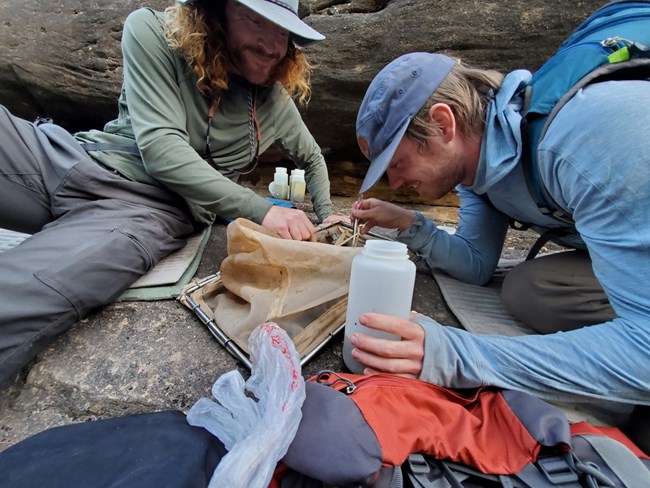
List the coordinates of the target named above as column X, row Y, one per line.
column 279, row 187
column 382, row 279
column 297, row 185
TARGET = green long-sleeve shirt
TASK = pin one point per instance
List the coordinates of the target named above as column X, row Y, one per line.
column 162, row 111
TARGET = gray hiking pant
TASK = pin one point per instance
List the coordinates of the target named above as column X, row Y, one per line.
column 94, row 233
column 556, row 292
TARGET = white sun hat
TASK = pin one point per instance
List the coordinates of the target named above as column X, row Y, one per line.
column 283, row 13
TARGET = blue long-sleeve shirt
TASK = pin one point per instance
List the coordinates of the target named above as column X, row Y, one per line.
column 595, row 162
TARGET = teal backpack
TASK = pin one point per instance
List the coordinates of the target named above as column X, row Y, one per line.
column 612, row 44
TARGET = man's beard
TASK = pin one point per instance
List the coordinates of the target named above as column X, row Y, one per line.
column 239, row 60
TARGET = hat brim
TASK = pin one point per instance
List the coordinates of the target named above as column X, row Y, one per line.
column 379, row 165
column 285, row 18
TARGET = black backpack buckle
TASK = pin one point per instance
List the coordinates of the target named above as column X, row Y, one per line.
column 557, row 469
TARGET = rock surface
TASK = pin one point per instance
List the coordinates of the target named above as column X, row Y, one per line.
column 134, row 357
column 62, row 59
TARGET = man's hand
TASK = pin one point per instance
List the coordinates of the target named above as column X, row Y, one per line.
column 335, row 218
column 403, row 357
column 290, row 223
column 373, row 212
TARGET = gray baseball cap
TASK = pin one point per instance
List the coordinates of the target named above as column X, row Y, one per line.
column 283, row 13
column 393, row 98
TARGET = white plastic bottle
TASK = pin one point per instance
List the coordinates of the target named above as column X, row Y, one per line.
column 297, row 185
column 279, row 188
column 382, row 281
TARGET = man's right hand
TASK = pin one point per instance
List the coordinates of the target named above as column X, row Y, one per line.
column 373, row 212
column 290, row 223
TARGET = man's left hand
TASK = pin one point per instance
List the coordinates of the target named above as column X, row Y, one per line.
column 402, row 358
column 336, row 218
column 290, row 223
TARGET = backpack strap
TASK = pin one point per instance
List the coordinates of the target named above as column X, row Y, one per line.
column 559, row 470
column 531, row 135
column 534, row 128
column 425, row 471
column 625, row 465
column 544, row 237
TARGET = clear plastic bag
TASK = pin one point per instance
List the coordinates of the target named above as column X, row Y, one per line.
column 257, row 419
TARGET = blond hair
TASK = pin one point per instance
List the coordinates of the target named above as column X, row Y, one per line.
column 198, row 31
column 467, row 91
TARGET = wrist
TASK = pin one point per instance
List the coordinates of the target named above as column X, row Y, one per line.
column 407, row 221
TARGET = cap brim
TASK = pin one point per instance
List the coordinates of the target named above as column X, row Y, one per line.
column 285, row 18
column 379, row 165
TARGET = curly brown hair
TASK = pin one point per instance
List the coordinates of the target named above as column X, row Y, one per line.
column 198, row 31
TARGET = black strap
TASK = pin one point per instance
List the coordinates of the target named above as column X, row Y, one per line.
column 539, row 243
column 531, row 136
column 545, row 237
column 550, row 471
column 424, row 471
column 107, row 146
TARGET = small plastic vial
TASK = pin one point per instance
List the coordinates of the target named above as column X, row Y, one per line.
column 280, row 186
column 297, row 185
column 382, row 279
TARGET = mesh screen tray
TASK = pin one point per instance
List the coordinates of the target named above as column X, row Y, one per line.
column 320, row 325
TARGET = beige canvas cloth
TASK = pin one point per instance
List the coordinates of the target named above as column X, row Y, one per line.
column 302, row 286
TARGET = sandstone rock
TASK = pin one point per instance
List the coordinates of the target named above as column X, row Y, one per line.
column 62, row 59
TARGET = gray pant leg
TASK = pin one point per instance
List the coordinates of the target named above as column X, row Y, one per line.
column 556, row 292
column 24, row 200
column 107, row 232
